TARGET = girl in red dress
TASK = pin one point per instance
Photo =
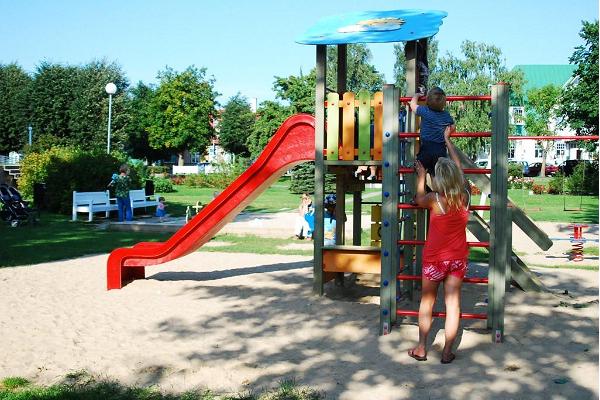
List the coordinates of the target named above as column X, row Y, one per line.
column 445, row 252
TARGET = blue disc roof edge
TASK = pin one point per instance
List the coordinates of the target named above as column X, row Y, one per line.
column 374, row 27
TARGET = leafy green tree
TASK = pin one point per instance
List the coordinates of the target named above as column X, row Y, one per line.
column 237, row 122
column 400, row 63
column 53, row 91
column 361, row 74
column 298, row 91
column 579, row 102
column 269, row 117
column 539, row 115
column 139, row 109
column 88, row 112
column 15, row 85
column 482, row 65
column 183, row 109
column 70, row 106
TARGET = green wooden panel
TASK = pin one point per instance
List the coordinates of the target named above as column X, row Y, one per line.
column 333, row 125
column 364, row 125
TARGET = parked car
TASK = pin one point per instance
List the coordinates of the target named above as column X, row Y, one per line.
column 568, row 166
column 482, row 163
column 534, row 169
column 551, row 169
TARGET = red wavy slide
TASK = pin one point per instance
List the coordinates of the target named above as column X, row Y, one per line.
column 293, row 143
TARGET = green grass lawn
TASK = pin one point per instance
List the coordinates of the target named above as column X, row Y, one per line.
column 57, row 238
column 82, row 385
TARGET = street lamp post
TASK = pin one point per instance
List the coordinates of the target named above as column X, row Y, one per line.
column 111, row 89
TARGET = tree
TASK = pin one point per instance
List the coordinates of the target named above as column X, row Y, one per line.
column 138, row 106
column 15, row 85
column 400, row 63
column 298, row 91
column 88, row 112
column 539, row 115
column 579, row 102
column 183, row 109
column 70, row 106
column 53, row 91
column 269, row 117
column 236, row 125
column 361, row 74
column 481, row 66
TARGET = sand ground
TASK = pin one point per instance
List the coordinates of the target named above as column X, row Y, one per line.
column 232, row 322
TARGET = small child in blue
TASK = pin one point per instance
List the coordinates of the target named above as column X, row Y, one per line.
column 329, row 224
column 161, row 209
column 434, row 121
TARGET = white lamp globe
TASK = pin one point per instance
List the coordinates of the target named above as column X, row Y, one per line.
column 111, row 88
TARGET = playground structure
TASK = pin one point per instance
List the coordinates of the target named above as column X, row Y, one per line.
column 342, row 142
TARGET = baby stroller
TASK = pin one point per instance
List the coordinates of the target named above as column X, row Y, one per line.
column 15, row 210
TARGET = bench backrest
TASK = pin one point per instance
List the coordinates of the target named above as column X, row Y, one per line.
column 137, row 195
column 84, row 198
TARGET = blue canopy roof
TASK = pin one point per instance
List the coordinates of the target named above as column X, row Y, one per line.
column 374, row 27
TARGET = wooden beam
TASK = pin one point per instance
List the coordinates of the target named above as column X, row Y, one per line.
column 321, row 72
column 499, row 224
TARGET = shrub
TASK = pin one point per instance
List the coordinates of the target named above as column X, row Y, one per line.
column 584, row 179
column 555, row 186
column 162, row 185
column 65, row 170
column 515, row 170
column 538, row 189
column 223, row 176
column 158, row 170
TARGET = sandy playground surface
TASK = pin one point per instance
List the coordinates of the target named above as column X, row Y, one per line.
column 234, row 322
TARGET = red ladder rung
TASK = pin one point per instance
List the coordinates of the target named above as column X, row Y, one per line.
column 411, row 313
column 402, row 277
column 422, row 242
column 408, row 206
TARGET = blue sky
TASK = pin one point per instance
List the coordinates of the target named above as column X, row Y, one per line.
column 245, row 44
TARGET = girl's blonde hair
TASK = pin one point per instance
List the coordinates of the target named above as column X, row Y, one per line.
column 449, row 180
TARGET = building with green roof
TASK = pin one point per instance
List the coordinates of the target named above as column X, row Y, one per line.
column 536, row 77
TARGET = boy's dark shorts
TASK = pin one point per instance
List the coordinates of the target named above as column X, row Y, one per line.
column 429, row 154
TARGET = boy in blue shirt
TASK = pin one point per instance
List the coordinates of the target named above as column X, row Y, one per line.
column 329, row 220
column 434, row 121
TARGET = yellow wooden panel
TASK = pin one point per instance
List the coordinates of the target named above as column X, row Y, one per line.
column 348, row 127
column 376, row 213
column 361, row 261
column 376, row 231
column 378, row 125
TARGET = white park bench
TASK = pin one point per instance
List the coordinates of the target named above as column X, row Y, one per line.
column 139, row 199
column 92, row 202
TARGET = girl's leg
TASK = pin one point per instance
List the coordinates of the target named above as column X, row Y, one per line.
column 428, row 295
column 452, row 285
